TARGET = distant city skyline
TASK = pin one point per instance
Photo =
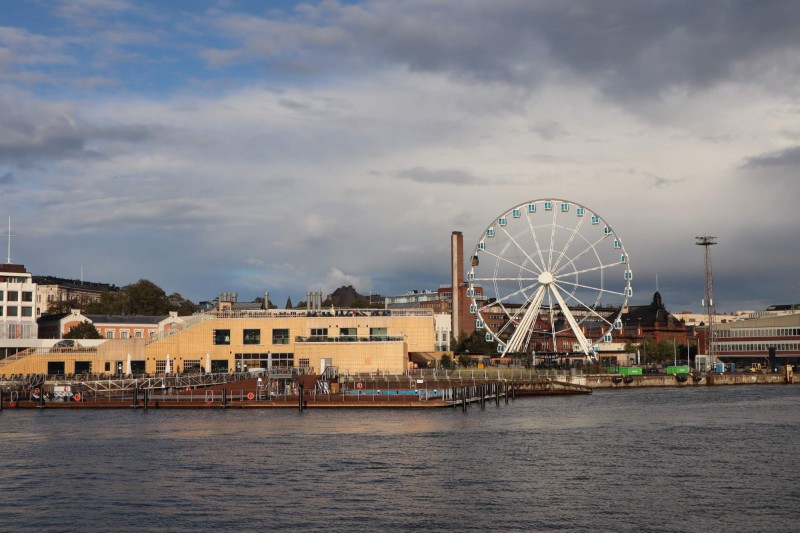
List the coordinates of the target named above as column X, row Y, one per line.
column 242, row 146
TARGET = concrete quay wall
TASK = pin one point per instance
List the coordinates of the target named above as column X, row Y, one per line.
column 661, row 380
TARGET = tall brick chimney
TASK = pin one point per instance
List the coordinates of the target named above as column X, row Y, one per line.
column 457, row 280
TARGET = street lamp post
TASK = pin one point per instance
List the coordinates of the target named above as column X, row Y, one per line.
column 675, row 351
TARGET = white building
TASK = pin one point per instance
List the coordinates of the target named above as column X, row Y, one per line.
column 17, row 309
column 443, row 331
column 695, row 319
column 411, row 299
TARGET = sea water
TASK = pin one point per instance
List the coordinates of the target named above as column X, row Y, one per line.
column 690, row 459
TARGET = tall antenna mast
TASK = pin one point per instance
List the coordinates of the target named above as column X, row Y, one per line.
column 708, row 241
column 8, row 261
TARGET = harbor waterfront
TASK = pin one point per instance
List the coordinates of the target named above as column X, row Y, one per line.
column 651, row 459
column 296, row 390
column 302, row 391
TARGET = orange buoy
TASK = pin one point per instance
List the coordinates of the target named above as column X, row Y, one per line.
column 77, row 397
column 251, row 396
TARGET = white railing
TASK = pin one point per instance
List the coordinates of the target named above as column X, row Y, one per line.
column 303, row 313
column 199, row 318
column 349, row 338
column 187, row 323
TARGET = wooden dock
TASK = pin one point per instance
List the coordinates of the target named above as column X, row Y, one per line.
column 353, row 392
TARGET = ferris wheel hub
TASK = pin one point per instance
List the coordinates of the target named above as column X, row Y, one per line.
column 546, row 278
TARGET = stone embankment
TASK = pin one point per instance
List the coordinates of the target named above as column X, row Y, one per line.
column 691, row 380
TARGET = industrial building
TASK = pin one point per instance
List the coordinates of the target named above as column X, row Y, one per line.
column 772, row 339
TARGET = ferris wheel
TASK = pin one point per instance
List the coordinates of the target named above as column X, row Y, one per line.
column 550, row 276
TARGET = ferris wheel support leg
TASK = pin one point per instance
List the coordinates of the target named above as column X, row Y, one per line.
column 529, row 318
column 576, row 329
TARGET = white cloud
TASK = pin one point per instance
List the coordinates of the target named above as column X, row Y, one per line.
column 357, row 174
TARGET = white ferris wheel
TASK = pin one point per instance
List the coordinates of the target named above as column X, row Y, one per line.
column 549, row 276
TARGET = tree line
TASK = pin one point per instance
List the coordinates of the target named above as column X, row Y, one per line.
column 143, row 298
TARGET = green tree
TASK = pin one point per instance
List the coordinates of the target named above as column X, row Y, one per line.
column 63, row 307
column 289, row 303
column 652, row 352
column 110, row 303
column 146, row 298
column 141, row 298
column 84, row 330
column 181, row 305
column 464, row 360
column 446, row 362
column 475, row 344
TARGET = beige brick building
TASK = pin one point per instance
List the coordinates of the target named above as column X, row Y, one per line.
column 230, row 340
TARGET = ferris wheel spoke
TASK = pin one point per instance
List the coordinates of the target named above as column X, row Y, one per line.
column 552, row 241
column 592, row 269
column 535, row 239
column 569, row 242
column 584, row 252
column 589, row 308
column 506, row 297
column 504, row 327
column 576, row 329
column 504, row 279
column 501, row 258
column 521, row 249
column 515, row 343
column 579, row 285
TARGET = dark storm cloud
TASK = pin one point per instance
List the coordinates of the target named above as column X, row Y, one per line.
column 30, row 133
column 628, row 48
column 7, row 178
column 449, row 176
column 789, row 157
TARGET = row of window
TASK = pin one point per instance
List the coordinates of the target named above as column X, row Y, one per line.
column 781, row 346
column 757, row 332
column 14, row 296
column 14, row 279
column 245, row 361
column 125, row 334
column 19, row 330
column 281, row 336
column 250, row 336
column 16, row 311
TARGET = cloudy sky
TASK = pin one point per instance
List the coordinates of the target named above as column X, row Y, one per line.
column 279, row 146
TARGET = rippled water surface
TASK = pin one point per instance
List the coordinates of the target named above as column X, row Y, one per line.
column 699, row 459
